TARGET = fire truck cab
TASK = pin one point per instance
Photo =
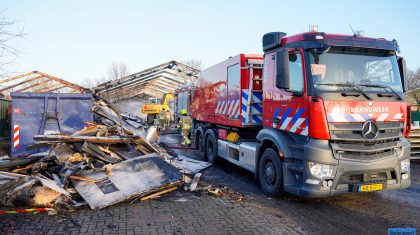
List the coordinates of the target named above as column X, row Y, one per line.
column 317, row 115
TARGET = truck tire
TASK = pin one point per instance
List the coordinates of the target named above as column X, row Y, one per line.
column 211, row 146
column 270, row 172
column 200, row 141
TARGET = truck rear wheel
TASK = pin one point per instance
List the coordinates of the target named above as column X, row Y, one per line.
column 270, row 172
column 200, row 141
column 211, row 148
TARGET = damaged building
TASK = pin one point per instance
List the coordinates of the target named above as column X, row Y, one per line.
column 130, row 92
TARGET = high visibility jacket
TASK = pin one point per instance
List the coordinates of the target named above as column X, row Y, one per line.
column 185, row 123
column 162, row 115
column 168, row 115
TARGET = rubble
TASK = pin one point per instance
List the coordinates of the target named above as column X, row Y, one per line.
column 225, row 192
column 105, row 163
column 132, row 178
column 189, row 166
column 194, row 183
column 152, row 134
column 109, row 161
column 133, row 120
column 158, row 194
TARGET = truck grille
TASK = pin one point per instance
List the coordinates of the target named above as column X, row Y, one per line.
column 347, row 141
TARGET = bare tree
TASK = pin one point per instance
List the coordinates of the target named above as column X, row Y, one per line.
column 87, row 83
column 117, row 71
column 10, row 32
column 413, row 77
column 195, row 63
column 413, row 97
column 101, row 80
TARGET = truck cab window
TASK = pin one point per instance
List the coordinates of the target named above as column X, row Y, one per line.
column 295, row 72
column 379, row 71
column 344, row 65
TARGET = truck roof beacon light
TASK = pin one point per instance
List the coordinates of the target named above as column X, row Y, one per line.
column 313, row 28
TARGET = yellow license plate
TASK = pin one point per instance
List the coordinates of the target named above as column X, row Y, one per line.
column 370, row 187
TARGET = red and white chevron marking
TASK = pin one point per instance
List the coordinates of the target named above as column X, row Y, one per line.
column 16, row 129
column 230, row 107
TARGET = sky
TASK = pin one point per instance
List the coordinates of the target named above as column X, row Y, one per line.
column 80, row 39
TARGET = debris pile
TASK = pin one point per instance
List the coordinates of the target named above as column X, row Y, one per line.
column 105, row 163
column 225, row 192
column 133, row 120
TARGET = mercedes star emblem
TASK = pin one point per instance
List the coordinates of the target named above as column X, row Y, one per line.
column 370, row 130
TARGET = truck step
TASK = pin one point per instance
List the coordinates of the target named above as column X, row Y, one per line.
column 294, row 167
column 257, row 79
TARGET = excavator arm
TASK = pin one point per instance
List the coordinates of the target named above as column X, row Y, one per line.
column 166, row 99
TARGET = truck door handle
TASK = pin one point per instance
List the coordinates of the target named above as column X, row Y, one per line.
column 277, row 120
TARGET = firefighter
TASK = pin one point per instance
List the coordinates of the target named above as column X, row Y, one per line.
column 162, row 120
column 185, row 124
column 168, row 119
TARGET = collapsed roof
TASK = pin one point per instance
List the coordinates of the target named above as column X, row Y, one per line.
column 36, row 81
column 156, row 81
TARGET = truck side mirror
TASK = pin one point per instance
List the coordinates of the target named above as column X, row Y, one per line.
column 282, row 69
column 403, row 73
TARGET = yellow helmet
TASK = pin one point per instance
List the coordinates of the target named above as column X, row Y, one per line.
column 184, row 112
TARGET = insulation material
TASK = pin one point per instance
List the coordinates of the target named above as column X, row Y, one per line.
column 189, row 166
column 129, row 179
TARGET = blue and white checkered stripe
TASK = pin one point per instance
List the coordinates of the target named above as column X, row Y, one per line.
column 291, row 120
column 256, row 107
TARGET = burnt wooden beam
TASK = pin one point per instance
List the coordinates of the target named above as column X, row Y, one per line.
column 74, row 139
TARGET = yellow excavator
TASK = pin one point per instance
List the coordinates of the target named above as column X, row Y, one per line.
column 154, row 106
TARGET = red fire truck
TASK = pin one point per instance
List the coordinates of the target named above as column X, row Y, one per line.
column 317, row 115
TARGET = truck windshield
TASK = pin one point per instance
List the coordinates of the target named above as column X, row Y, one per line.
column 369, row 69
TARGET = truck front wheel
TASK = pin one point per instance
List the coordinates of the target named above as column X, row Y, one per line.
column 270, row 172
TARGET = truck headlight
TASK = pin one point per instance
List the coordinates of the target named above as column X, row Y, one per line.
column 320, row 170
column 405, row 165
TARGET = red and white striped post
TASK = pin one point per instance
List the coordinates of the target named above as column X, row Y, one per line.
column 16, row 136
